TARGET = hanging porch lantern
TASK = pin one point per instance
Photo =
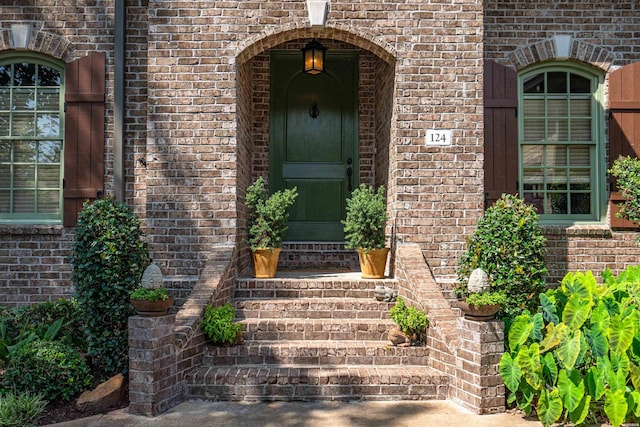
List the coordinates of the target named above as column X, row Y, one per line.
column 313, row 57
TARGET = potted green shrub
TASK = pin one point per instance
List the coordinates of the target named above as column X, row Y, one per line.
column 267, row 225
column 364, row 229
column 218, row 325
column 151, row 299
column 411, row 324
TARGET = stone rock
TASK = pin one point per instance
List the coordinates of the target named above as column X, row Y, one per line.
column 152, row 277
column 399, row 338
column 478, row 282
column 103, row 397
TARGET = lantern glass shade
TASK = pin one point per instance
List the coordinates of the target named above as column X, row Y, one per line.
column 313, row 58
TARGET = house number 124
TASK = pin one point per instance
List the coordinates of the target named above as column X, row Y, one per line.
column 438, row 137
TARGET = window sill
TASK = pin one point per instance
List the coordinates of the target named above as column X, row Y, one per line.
column 34, row 229
column 593, row 231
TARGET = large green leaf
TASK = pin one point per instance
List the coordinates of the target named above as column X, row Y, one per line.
column 635, row 396
column 615, row 406
column 549, row 369
column 549, row 407
column 635, row 375
column 549, row 308
column 576, row 311
column 580, row 284
column 569, row 350
column 538, row 324
column 528, row 359
column 519, row 331
column 579, row 414
column 510, row 372
column 554, row 336
column 571, row 393
column 620, row 333
column 597, row 341
column 595, row 382
column 600, row 316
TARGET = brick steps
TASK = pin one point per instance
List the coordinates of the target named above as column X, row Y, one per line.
column 323, row 255
column 271, row 383
column 312, row 308
column 316, row 329
column 314, row 353
column 309, row 286
column 314, row 336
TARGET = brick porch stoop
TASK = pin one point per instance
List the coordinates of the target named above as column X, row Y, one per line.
column 314, row 337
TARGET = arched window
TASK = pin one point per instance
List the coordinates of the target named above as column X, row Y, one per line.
column 31, row 140
column 560, row 149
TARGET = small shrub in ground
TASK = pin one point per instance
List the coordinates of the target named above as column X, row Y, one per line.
column 218, row 325
column 578, row 359
column 410, row 320
column 109, row 257
column 626, row 170
column 51, row 368
column 39, row 317
column 21, row 409
column 509, row 246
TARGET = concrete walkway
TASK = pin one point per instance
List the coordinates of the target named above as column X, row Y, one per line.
column 314, row 414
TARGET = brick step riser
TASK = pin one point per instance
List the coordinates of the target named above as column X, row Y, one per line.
column 220, row 360
column 362, row 335
column 313, row 309
column 304, row 293
column 306, row 392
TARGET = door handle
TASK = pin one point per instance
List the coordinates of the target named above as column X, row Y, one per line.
column 350, row 173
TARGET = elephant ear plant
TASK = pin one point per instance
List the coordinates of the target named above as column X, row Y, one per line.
column 577, row 360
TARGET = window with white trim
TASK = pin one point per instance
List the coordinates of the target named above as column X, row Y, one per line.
column 31, row 140
column 560, row 143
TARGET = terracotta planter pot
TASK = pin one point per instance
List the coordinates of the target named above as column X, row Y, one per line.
column 148, row 308
column 481, row 314
column 265, row 262
column 373, row 263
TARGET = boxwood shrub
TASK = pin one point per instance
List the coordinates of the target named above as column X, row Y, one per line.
column 50, row 368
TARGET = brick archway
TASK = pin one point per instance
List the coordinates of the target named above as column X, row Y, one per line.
column 50, row 44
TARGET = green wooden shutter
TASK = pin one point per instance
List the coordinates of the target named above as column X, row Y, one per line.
column 84, row 133
column 500, row 131
column 624, row 128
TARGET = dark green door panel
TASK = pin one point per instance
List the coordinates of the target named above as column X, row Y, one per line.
column 314, row 153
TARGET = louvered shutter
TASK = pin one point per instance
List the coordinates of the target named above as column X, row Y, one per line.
column 84, row 133
column 624, row 128
column 500, row 131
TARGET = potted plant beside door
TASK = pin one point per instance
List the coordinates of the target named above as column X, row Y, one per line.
column 266, row 224
column 364, row 229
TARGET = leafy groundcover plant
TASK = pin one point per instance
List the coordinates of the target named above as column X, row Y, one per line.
column 578, row 359
column 218, row 325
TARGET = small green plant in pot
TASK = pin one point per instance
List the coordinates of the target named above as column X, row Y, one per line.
column 267, row 225
column 218, row 325
column 151, row 299
column 411, row 324
column 364, row 229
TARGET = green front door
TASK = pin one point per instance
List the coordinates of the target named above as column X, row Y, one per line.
column 314, row 141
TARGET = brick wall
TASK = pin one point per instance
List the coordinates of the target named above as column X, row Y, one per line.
column 34, row 260
column 197, row 108
column 604, row 34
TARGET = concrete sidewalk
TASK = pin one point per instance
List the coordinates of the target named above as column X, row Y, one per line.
column 308, row 414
